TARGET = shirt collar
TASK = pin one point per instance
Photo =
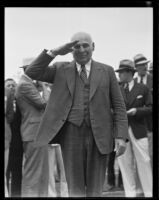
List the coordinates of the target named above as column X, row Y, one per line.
column 87, row 66
column 130, row 84
column 144, row 78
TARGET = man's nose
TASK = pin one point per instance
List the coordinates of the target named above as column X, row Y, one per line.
column 81, row 49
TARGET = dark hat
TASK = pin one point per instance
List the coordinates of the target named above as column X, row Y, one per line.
column 140, row 59
column 126, row 65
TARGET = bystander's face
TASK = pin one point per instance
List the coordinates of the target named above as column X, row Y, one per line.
column 10, row 84
column 82, row 51
column 141, row 69
column 123, row 76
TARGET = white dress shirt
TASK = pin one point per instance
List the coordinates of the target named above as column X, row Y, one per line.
column 144, row 79
column 130, row 85
column 87, row 66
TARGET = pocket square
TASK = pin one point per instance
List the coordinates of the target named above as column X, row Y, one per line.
column 139, row 96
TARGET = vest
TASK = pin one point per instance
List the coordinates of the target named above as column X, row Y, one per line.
column 80, row 107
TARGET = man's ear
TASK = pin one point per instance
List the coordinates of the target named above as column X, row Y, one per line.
column 93, row 46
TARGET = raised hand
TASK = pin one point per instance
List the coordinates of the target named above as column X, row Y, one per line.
column 64, row 49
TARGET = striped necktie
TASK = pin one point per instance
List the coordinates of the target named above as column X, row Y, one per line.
column 83, row 74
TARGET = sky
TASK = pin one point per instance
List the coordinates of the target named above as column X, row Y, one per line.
column 118, row 33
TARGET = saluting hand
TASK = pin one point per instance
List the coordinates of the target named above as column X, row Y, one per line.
column 64, row 49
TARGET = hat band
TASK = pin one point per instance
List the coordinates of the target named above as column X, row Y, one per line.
column 125, row 67
column 140, row 59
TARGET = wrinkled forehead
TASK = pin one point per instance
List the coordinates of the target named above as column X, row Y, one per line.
column 82, row 38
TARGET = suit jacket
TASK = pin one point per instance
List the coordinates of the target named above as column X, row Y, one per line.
column 149, row 84
column 31, row 106
column 140, row 98
column 8, row 117
column 104, row 95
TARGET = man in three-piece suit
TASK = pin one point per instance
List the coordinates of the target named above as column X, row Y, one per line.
column 78, row 114
column 32, row 106
column 138, row 102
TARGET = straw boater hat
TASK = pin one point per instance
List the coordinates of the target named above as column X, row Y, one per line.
column 26, row 62
column 126, row 65
column 140, row 59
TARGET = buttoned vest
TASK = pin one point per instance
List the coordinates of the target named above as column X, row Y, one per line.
column 80, row 107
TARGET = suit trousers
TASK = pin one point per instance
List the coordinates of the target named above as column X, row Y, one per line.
column 84, row 164
column 138, row 149
column 35, row 171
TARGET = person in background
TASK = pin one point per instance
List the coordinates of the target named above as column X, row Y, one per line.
column 78, row 113
column 35, row 169
column 14, row 170
column 144, row 77
column 8, row 116
column 150, row 69
column 138, row 102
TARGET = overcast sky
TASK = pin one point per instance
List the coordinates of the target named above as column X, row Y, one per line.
column 118, row 33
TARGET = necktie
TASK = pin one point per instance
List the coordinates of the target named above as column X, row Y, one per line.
column 141, row 80
column 126, row 90
column 83, row 74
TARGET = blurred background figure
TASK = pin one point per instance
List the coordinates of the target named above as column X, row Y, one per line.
column 150, row 69
column 14, row 170
column 8, row 119
column 31, row 101
column 138, row 102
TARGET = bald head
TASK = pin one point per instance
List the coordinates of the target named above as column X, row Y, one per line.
column 82, row 36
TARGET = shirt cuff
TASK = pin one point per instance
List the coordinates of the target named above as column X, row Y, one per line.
column 50, row 53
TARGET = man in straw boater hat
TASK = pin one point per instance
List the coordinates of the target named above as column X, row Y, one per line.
column 32, row 106
column 141, row 65
column 139, row 104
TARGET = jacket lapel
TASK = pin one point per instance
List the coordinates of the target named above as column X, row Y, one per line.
column 133, row 94
column 95, row 78
column 70, row 76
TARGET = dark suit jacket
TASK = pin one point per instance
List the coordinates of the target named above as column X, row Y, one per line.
column 104, row 95
column 149, row 84
column 8, row 116
column 139, row 98
column 31, row 106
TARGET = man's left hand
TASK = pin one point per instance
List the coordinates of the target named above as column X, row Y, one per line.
column 120, row 146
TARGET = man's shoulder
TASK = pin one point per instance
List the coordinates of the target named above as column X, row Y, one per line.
column 105, row 66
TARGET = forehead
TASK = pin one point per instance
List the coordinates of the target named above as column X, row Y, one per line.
column 82, row 38
column 141, row 66
column 10, row 82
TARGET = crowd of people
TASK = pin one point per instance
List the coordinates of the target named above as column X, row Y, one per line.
column 67, row 123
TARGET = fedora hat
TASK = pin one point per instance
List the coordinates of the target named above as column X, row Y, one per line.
column 26, row 62
column 140, row 59
column 126, row 65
